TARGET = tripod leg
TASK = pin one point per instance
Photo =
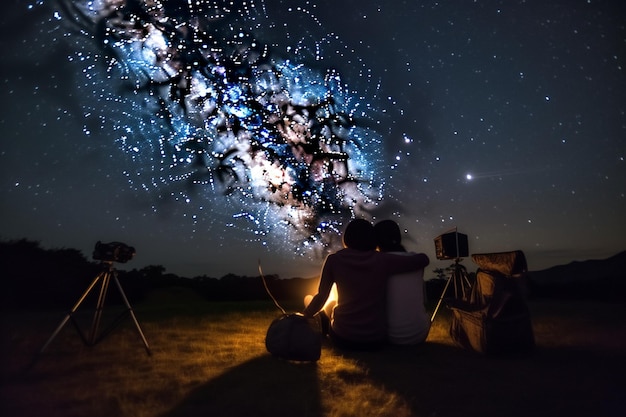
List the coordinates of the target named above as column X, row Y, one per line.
column 467, row 281
column 99, row 308
column 459, row 285
column 132, row 314
column 462, row 284
column 72, row 311
column 443, row 294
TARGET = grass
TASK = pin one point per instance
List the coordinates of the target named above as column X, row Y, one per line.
column 210, row 359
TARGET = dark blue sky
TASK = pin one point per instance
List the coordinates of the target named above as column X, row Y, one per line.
column 504, row 119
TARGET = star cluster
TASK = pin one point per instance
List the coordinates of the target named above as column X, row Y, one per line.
column 215, row 113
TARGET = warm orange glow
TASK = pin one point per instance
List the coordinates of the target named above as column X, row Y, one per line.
column 332, row 297
column 330, row 302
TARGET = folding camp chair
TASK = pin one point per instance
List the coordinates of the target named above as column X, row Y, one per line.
column 495, row 318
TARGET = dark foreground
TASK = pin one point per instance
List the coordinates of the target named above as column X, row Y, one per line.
column 209, row 359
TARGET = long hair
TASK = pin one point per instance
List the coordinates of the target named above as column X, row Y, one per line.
column 388, row 236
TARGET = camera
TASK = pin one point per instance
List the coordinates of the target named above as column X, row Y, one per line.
column 113, row 252
column 451, row 245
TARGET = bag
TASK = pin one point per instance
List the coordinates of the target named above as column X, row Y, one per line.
column 294, row 337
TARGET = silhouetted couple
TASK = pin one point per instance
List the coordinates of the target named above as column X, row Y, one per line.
column 379, row 292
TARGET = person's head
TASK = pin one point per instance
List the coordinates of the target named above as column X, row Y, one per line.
column 359, row 235
column 388, row 236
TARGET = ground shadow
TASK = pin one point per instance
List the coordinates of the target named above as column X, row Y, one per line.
column 442, row 380
column 292, row 389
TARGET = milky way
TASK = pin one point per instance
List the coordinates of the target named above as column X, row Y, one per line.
column 218, row 114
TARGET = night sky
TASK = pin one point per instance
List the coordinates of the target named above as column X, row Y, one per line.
column 211, row 135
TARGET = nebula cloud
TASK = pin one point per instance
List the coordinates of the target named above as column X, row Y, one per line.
column 261, row 130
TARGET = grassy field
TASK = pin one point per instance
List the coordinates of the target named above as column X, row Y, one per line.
column 209, row 359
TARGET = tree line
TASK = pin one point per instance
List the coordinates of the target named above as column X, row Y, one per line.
column 34, row 277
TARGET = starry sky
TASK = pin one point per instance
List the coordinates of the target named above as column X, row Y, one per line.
column 213, row 134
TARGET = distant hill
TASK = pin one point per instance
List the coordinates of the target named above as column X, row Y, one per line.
column 583, row 271
column 592, row 279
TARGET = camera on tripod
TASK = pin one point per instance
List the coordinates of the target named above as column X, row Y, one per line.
column 113, row 252
column 107, row 253
column 451, row 245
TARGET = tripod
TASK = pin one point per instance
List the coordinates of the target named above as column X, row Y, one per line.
column 461, row 284
column 105, row 276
